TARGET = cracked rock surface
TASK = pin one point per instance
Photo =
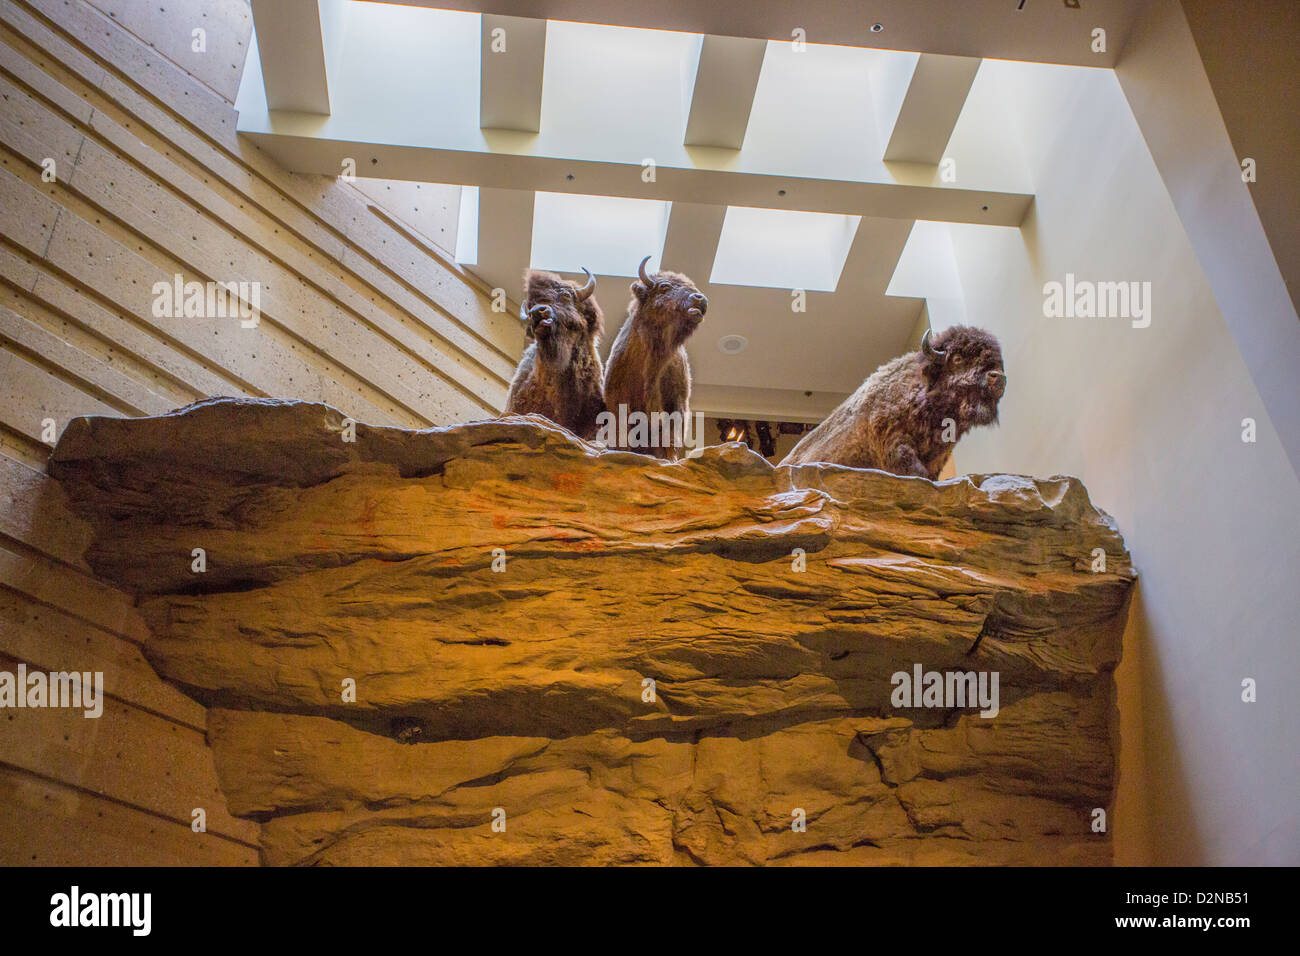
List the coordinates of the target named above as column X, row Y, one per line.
column 502, row 593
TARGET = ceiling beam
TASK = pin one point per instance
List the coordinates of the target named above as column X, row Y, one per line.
column 505, row 238
column 913, row 192
column 291, row 38
column 869, row 267
column 934, row 99
column 386, row 122
column 1042, row 31
column 510, row 76
column 693, row 233
column 726, row 76
column 873, row 256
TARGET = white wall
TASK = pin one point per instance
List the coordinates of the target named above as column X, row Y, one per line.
column 1151, row 420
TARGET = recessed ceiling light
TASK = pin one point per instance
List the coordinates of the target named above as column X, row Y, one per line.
column 877, row 27
column 732, row 344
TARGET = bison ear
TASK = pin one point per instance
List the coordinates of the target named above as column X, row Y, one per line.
column 640, row 290
column 932, row 368
column 932, row 359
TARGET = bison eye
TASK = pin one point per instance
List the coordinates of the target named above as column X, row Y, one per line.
column 661, row 286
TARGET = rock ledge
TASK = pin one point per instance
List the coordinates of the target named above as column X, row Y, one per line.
column 501, row 593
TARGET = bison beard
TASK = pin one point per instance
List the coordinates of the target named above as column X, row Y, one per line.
column 896, row 420
column 560, row 374
column 648, row 369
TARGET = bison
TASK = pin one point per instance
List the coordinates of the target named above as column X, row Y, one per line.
column 648, row 370
column 908, row 415
column 560, row 374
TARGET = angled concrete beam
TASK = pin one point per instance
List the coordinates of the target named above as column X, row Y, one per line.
column 726, row 76
column 505, row 238
column 873, row 257
column 692, row 242
column 868, row 269
column 510, row 76
column 292, row 45
column 930, row 109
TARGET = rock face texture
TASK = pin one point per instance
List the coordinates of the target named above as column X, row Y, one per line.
column 496, row 643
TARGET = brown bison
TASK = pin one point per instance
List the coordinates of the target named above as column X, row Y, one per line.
column 560, row 373
column 908, row 415
column 648, row 370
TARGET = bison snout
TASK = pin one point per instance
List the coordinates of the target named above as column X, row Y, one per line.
column 541, row 317
column 996, row 381
column 698, row 304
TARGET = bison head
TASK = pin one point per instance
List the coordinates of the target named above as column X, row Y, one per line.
column 962, row 366
column 560, row 316
column 670, row 302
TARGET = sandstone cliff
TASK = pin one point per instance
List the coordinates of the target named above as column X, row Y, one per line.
column 502, row 593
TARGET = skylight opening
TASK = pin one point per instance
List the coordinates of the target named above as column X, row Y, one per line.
column 813, row 111
column 467, row 227
column 624, row 82
column 608, row 235
column 783, row 249
column 926, row 267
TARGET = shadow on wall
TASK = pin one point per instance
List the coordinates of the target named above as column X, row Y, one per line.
column 1155, row 816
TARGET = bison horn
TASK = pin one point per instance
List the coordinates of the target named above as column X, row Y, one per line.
column 585, row 292
column 929, row 350
column 641, row 272
column 523, row 311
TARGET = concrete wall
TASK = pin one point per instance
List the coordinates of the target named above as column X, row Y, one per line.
column 1151, row 420
column 358, row 309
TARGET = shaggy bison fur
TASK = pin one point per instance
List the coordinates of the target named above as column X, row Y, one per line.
column 560, row 374
column 648, row 369
column 908, row 415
